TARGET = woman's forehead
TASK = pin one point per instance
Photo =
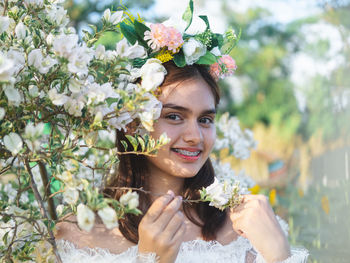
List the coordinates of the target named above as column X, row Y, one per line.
column 188, row 92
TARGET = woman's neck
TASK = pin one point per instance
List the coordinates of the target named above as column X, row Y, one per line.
column 159, row 183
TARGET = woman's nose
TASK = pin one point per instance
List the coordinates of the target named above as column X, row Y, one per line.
column 192, row 133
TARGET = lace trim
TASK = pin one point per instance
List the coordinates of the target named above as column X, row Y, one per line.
column 70, row 253
column 299, row 255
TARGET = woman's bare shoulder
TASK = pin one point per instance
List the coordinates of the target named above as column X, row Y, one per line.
column 98, row 237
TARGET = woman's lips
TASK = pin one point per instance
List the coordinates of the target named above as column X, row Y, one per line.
column 187, row 154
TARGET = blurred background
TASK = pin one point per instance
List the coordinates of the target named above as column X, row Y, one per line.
column 292, row 88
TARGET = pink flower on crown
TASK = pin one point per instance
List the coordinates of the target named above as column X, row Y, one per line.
column 225, row 66
column 157, row 37
column 175, row 40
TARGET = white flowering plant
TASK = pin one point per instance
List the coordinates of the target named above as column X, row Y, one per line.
column 61, row 101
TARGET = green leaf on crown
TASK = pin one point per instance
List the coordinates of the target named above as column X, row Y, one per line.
column 230, row 41
column 133, row 141
column 188, row 15
column 179, row 59
column 206, row 21
column 207, row 59
column 129, row 33
column 217, row 40
column 140, row 30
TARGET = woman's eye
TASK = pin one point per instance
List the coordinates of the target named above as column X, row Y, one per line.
column 206, row 120
column 173, row 117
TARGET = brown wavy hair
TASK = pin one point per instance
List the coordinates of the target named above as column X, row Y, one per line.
column 133, row 170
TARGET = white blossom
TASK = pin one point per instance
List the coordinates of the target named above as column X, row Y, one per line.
column 85, row 217
column 58, row 15
column 13, row 143
column 70, row 195
column 57, row 98
column 7, row 68
column 131, row 199
column 109, row 217
column 59, row 209
column 74, row 107
column 34, row 3
column 63, row 45
column 79, row 59
column 13, row 95
column 21, row 30
column 4, row 24
column 33, row 91
column 193, row 50
column 149, row 111
column 2, row 113
column 219, row 193
column 100, row 52
column 34, row 131
column 152, row 74
column 114, row 18
column 18, row 58
column 124, row 50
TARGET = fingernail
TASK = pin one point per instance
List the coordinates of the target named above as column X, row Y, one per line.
column 180, row 197
column 171, row 193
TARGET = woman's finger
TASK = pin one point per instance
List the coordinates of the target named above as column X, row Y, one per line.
column 158, row 206
column 168, row 213
column 173, row 225
column 178, row 236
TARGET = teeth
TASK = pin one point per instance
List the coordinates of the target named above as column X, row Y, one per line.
column 184, row 152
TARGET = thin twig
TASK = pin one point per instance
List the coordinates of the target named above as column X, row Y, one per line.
column 42, row 210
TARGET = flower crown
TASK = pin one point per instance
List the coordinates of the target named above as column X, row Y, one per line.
column 171, row 41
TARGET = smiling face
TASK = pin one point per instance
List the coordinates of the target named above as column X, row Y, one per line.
column 188, row 119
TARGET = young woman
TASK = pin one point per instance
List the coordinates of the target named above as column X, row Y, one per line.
column 170, row 228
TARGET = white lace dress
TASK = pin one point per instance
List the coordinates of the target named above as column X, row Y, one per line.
column 238, row 251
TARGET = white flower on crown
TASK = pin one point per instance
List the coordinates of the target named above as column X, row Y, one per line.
column 152, row 74
column 193, row 50
column 109, row 217
column 114, row 18
column 124, row 50
column 100, row 52
column 85, row 217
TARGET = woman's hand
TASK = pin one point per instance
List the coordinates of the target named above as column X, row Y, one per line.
column 162, row 228
column 255, row 220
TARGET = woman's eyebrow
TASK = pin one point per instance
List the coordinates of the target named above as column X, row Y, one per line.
column 181, row 108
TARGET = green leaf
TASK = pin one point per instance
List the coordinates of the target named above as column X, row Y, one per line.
column 111, row 100
column 140, row 29
column 179, row 59
column 206, row 21
column 141, row 142
column 125, row 144
column 217, row 41
column 133, row 141
column 207, row 59
column 188, row 15
column 129, row 33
